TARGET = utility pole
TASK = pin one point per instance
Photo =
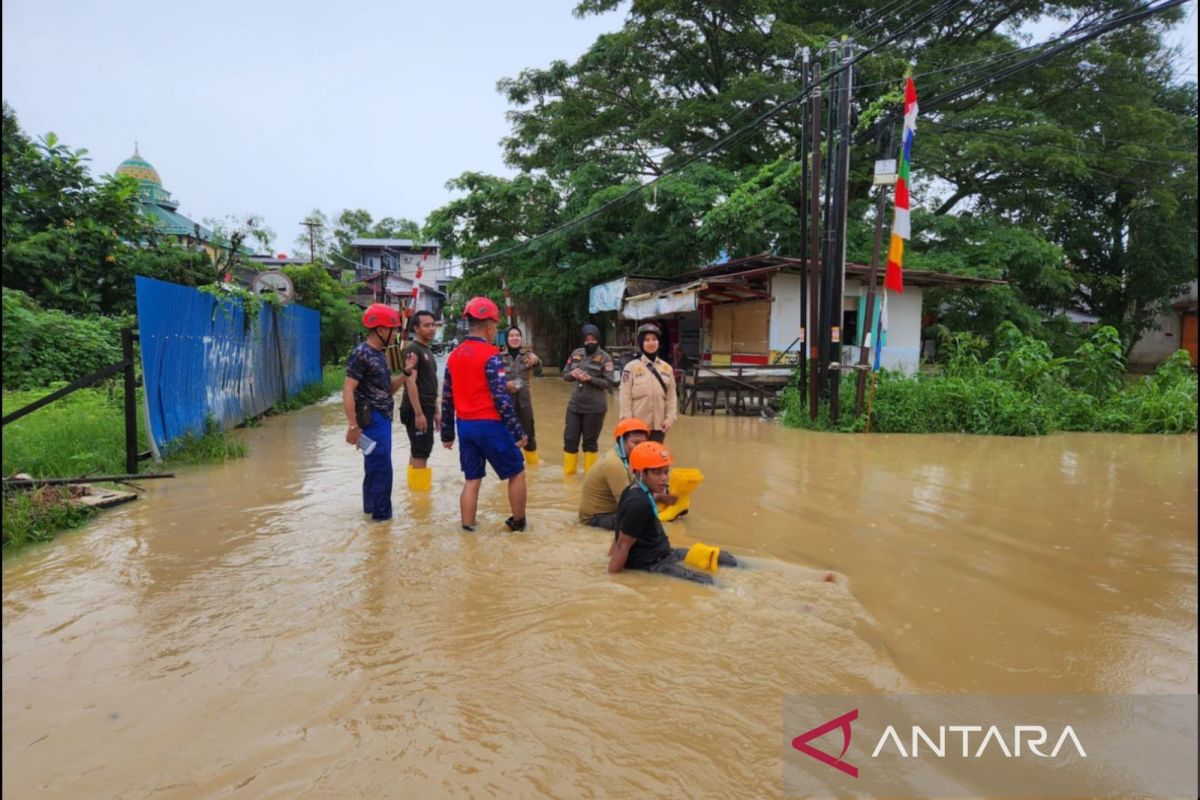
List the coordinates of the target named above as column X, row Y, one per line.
column 804, row 141
column 884, row 173
column 312, row 225
column 838, row 262
column 814, row 240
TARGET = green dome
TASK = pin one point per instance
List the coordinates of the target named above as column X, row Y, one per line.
column 139, row 168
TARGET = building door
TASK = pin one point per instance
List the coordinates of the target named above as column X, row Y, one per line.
column 1189, row 334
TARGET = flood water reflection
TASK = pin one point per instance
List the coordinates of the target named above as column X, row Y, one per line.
column 245, row 627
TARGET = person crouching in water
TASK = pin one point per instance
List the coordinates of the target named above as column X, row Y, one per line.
column 367, row 394
column 640, row 541
column 592, row 370
column 521, row 364
column 604, row 484
column 648, row 386
column 475, row 390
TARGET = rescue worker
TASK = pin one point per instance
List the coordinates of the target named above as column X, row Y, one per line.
column 648, row 386
column 475, row 390
column 367, row 394
column 592, row 371
column 603, row 485
column 419, row 411
column 521, row 364
column 639, row 542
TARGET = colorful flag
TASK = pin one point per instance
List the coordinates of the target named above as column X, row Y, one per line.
column 901, row 225
column 881, row 327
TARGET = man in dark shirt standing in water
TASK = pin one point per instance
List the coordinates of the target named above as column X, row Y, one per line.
column 367, row 399
column 419, row 407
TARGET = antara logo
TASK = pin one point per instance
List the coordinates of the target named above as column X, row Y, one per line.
column 843, row 722
column 1032, row 737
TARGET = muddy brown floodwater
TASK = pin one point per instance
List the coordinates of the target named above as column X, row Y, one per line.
column 244, row 630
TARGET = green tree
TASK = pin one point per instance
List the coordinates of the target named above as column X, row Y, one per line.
column 1020, row 158
column 340, row 323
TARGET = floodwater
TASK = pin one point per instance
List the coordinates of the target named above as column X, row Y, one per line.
column 243, row 629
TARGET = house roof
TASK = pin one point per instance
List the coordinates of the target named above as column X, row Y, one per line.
column 409, row 243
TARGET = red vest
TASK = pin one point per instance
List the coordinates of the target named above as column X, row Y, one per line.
column 468, row 382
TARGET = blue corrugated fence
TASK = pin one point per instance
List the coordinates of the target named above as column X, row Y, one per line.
column 199, row 359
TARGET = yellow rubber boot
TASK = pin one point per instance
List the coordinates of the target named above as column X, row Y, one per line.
column 683, row 482
column 703, row 556
column 531, row 457
column 570, row 463
column 420, row 479
column 589, row 459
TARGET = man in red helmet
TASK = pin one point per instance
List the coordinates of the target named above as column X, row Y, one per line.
column 367, row 399
column 475, row 389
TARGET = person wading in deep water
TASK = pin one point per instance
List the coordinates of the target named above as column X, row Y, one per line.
column 475, row 390
column 419, row 410
column 592, row 371
column 367, row 399
column 639, row 541
column 648, row 386
column 604, row 483
column 521, row 364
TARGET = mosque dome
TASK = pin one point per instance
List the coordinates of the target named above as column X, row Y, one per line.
column 139, row 169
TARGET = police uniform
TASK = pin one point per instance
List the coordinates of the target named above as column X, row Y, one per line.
column 523, row 397
column 648, row 393
column 589, row 399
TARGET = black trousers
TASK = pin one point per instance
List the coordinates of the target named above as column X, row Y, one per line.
column 673, row 565
column 525, row 417
column 658, row 436
column 582, row 425
column 606, row 521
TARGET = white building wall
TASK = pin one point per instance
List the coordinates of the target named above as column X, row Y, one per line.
column 1164, row 338
column 785, row 316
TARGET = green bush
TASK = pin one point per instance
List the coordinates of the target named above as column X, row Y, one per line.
column 42, row 346
column 1023, row 389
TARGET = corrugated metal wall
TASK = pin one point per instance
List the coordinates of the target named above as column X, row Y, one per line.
column 200, row 360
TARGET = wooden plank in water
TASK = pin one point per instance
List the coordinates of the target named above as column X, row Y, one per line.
column 95, row 497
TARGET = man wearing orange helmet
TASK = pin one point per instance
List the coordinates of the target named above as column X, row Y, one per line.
column 475, row 390
column 367, row 400
column 603, row 483
column 639, row 541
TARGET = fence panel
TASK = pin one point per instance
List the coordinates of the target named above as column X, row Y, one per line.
column 200, row 358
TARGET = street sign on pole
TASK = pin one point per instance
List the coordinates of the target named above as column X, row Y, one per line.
column 885, row 172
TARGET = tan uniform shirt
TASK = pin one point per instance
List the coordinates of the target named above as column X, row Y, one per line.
column 642, row 395
column 602, row 486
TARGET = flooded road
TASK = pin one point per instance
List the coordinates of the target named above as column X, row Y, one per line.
column 243, row 630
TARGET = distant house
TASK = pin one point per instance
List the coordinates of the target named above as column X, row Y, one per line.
column 746, row 312
column 1172, row 330
column 388, row 268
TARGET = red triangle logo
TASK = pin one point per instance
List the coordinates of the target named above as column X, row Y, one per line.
column 801, row 743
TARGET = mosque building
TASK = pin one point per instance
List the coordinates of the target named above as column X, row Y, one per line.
column 160, row 208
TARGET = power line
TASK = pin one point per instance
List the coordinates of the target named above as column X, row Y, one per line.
column 1013, row 135
column 936, row 10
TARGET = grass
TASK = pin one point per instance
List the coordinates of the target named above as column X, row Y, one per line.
column 84, row 434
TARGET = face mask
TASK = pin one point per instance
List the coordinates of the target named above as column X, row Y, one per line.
column 591, row 349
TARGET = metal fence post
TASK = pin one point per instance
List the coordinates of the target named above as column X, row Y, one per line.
column 131, row 451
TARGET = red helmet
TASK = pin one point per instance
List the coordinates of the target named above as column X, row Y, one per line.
column 482, row 308
column 380, row 316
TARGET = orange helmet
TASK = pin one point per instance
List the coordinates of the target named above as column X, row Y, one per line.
column 629, row 425
column 650, row 455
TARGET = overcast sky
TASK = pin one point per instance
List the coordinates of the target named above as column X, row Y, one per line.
column 278, row 107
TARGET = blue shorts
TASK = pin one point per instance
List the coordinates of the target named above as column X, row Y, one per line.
column 488, row 440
